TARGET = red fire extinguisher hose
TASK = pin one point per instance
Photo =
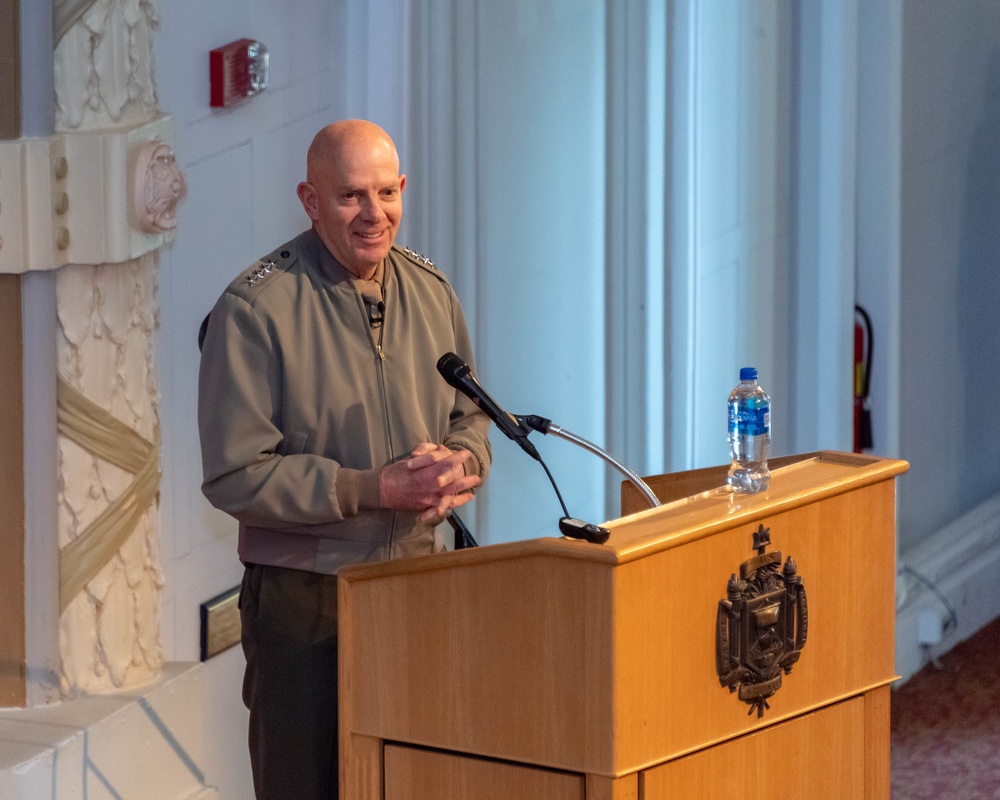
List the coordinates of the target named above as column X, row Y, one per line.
column 863, row 349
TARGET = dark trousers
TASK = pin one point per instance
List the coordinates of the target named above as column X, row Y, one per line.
column 289, row 622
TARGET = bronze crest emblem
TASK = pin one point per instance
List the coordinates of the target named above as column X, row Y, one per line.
column 761, row 625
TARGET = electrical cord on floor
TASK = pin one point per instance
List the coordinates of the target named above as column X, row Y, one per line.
column 930, row 658
column 952, row 615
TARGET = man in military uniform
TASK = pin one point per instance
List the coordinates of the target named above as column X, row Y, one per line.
column 328, row 434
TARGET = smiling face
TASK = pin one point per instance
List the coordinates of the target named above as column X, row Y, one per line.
column 353, row 193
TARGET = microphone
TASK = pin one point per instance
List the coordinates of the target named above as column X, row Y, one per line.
column 371, row 292
column 459, row 375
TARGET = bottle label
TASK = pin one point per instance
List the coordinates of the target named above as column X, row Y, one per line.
column 749, row 421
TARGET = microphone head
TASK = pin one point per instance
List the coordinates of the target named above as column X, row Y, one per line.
column 452, row 369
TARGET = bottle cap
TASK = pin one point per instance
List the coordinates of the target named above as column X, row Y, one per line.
column 748, row 374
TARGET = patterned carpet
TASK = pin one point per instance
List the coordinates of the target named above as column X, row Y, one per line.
column 946, row 725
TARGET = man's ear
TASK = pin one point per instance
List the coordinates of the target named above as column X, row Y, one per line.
column 307, row 196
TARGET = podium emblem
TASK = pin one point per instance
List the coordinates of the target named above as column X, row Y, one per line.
column 761, row 625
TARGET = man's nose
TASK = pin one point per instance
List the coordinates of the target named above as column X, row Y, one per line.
column 372, row 209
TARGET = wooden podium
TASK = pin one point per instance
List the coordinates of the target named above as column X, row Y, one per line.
column 554, row 668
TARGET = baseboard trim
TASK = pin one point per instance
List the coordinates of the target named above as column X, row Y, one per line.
column 963, row 562
column 145, row 742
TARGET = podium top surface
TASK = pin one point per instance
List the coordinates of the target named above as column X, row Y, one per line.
column 799, row 482
column 802, row 480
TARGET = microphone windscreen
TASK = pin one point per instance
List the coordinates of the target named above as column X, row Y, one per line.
column 452, row 369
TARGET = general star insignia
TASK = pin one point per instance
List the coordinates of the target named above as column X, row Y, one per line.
column 263, row 269
column 418, row 257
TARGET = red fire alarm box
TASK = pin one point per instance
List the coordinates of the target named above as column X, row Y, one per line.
column 237, row 71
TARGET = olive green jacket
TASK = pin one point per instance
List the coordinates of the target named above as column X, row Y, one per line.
column 300, row 405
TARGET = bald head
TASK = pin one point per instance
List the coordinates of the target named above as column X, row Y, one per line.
column 341, row 140
column 353, row 193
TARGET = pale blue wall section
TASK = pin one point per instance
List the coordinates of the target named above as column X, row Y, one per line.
column 193, row 272
column 738, row 213
column 637, row 409
column 950, row 281
column 540, row 331
column 371, row 41
column 878, row 268
column 656, row 169
column 820, row 410
column 719, row 167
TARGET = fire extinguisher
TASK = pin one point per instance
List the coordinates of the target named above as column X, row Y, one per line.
column 862, row 381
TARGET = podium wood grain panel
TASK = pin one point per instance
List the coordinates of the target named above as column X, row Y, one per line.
column 877, row 775
column 600, row 787
column 668, row 697
column 417, row 774
column 509, row 658
column 813, row 757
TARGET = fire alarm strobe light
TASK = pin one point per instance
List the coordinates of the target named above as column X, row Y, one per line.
column 237, row 71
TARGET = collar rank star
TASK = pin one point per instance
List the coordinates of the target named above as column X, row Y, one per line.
column 761, row 625
column 418, row 257
column 262, row 270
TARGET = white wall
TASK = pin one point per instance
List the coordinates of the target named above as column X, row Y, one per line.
column 878, row 167
column 822, row 278
column 950, row 251
column 733, row 214
column 540, row 287
column 928, row 241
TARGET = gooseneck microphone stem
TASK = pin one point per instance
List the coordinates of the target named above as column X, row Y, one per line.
column 546, row 426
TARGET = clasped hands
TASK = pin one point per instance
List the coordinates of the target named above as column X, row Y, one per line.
column 432, row 481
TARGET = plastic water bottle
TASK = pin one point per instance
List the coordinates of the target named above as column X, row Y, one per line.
column 749, row 434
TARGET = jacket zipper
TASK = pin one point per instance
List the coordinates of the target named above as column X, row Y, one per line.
column 380, row 367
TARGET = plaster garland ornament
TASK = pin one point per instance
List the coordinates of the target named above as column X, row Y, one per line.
column 103, row 436
column 109, row 571
column 103, row 64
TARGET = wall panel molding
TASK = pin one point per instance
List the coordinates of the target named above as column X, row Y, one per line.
column 636, row 264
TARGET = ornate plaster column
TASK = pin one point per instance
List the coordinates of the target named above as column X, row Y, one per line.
column 110, row 576
column 93, row 202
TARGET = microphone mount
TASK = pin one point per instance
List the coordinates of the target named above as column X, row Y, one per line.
column 546, row 426
column 459, row 375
